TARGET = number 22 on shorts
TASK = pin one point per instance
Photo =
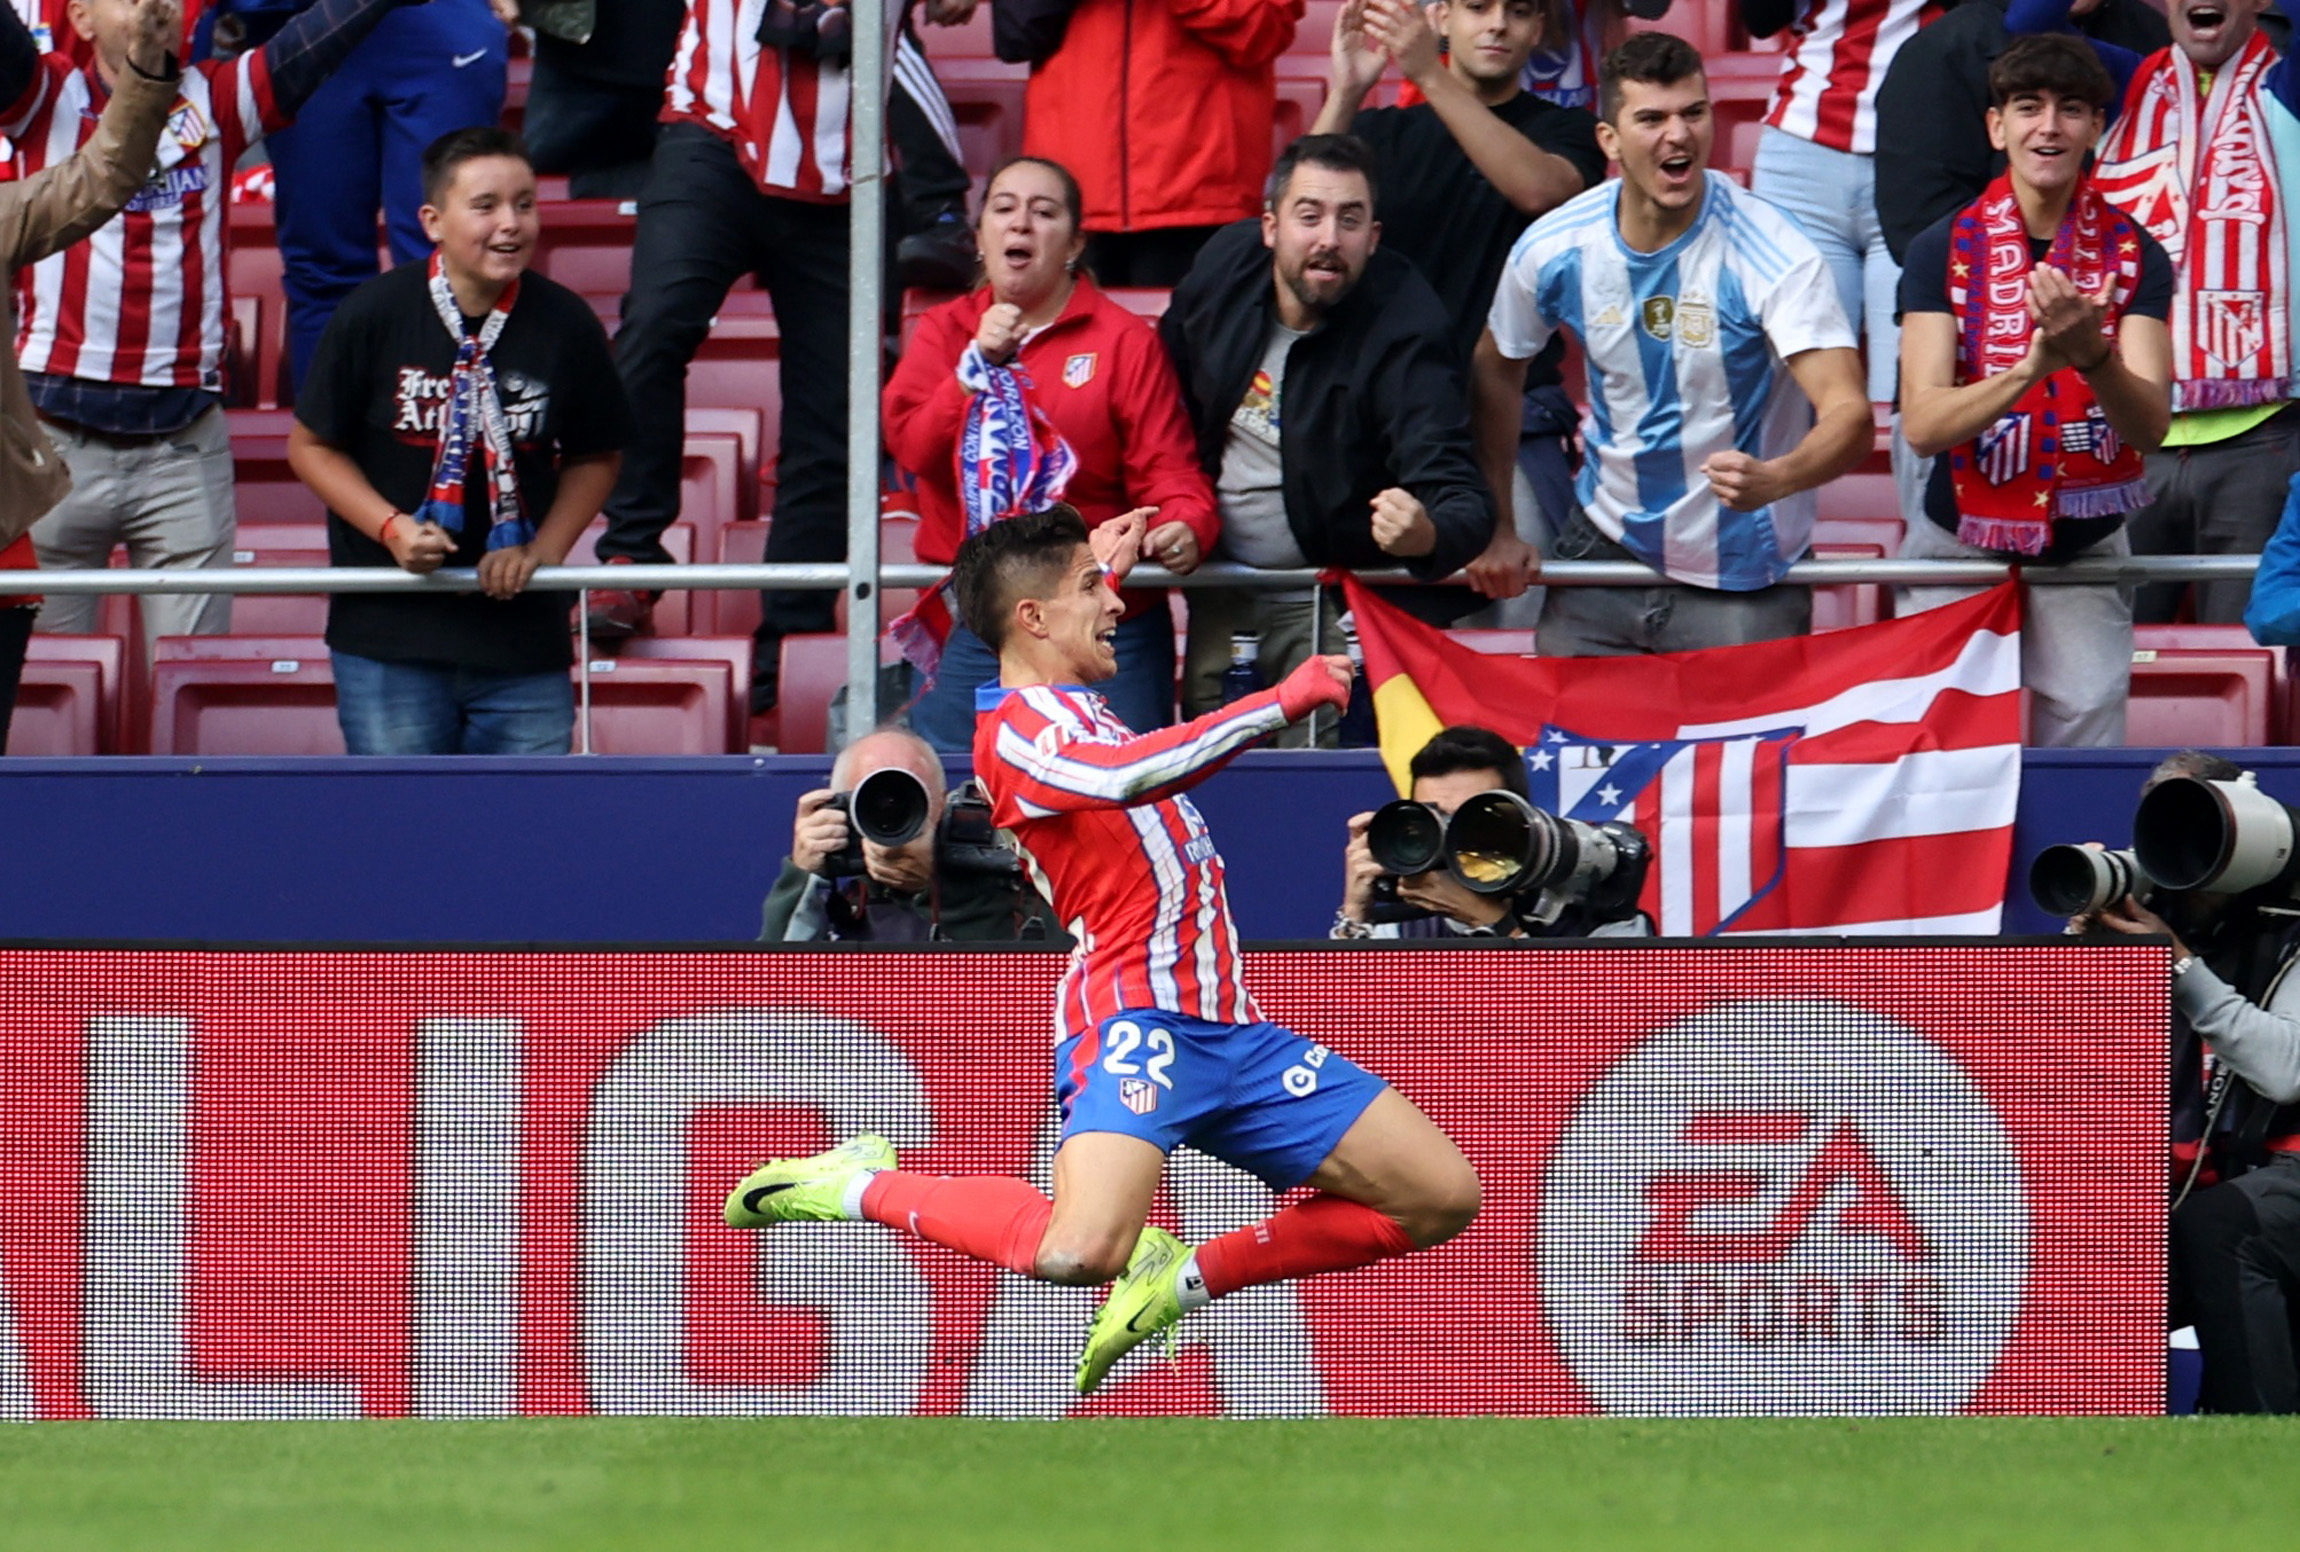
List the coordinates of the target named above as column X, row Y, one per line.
column 1126, row 1037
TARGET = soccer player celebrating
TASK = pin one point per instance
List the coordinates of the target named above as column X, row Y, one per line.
column 1159, row 1042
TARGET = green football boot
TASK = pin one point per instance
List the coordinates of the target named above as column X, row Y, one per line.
column 809, row 1190
column 1142, row 1303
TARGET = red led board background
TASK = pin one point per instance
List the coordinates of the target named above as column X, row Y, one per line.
column 1740, row 1178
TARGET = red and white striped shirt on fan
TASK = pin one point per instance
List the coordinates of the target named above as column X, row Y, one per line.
column 783, row 111
column 1830, row 76
column 1100, row 819
column 142, row 301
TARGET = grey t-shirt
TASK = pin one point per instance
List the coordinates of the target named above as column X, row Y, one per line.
column 1250, row 491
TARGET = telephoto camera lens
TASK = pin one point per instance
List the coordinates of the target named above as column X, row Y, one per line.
column 2223, row 836
column 1406, row 837
column 890, row 806
column 2078, row 880
column 1497, row 844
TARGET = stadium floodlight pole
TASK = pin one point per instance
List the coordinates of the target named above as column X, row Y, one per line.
column 866, row 329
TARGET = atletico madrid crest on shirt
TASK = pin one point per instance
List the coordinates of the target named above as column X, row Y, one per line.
column 1078, row 371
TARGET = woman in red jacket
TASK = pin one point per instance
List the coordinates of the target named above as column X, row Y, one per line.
column 1100, row 379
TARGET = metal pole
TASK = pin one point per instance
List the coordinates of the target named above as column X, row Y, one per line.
column 866, row 329
column 583, row 667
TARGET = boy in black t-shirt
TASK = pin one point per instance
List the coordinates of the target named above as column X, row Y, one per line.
column 1464, row 172
column 460, row 413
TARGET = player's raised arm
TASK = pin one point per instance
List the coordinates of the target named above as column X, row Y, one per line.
column 1054, row 764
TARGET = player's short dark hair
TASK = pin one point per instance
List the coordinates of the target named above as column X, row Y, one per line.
column 1470, row 748
column 1654, row 58
column 1335, row 153
column 1018, row 557
column 444, row 156
column 2051, row 62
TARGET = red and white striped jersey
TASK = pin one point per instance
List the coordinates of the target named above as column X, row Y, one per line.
column 1829, row 77
column 143, row 300
column 1099, row 816
column 784, row 112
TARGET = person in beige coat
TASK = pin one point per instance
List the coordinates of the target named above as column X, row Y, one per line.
column 43, row 214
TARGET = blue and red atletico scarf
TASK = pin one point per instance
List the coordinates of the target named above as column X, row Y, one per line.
column 474, row 412
column 1010, row 459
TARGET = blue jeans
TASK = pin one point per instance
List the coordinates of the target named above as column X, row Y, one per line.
column 1832, row 196
column 1141, row 693
column 357, row 147
column 430, row 708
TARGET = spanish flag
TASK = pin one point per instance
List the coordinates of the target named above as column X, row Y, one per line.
column 1861, row 781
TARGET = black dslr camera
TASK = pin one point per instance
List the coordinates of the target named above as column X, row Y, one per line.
column 890, row 806
column 1499, row 844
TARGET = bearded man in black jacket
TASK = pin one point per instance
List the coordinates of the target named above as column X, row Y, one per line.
column 1329, row 413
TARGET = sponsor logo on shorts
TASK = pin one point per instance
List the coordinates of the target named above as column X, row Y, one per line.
column 1139, row 1095
column 1783, row 1206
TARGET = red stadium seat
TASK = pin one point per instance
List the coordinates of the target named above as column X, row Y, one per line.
column 734, row 611
column 585, row 245
column 674, row 611
column 109, row 655
column 270, row 503
column 59, row 709
column 2201, row 696
column 1854, row 603
column 814, row 667
column 2231, row 638
column 279, row 614
column 237, row 649
column 284, row 706
column 749, row 429
column 645, row 706
column 712, row 487
column 732, row 651
column 986, row 97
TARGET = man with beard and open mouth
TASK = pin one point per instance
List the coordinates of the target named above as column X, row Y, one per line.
column 2192, row 153
column 1328, row 411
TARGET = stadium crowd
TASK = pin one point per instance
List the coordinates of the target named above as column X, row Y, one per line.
column 1354, row 350
column 1519, row 290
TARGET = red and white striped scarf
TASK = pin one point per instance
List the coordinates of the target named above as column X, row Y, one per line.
column 2053, row 454
column 2198, row 170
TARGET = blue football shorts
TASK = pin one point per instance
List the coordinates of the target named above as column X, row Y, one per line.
column 1257, row 1096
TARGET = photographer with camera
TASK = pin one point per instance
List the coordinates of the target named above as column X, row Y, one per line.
column 2217, row 870
column 885, row 855
column 1383, row 897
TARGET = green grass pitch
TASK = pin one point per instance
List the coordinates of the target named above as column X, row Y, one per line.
column 571, row 1485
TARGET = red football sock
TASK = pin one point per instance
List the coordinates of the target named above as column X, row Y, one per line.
column 1324, row 1234
column 989, row 1217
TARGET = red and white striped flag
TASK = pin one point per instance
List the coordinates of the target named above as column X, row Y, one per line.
column 1861, row 781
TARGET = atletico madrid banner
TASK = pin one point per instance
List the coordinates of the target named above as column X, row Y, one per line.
column 1718, row 1178
column 1861, row 781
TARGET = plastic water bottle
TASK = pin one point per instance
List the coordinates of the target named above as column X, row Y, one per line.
column 1242, row 678
column 1357, row 730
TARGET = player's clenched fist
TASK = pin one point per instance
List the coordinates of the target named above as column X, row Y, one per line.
column 1402, row 524
column 1322, row 681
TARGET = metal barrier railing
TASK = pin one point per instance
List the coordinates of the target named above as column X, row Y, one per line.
column 583, row 580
